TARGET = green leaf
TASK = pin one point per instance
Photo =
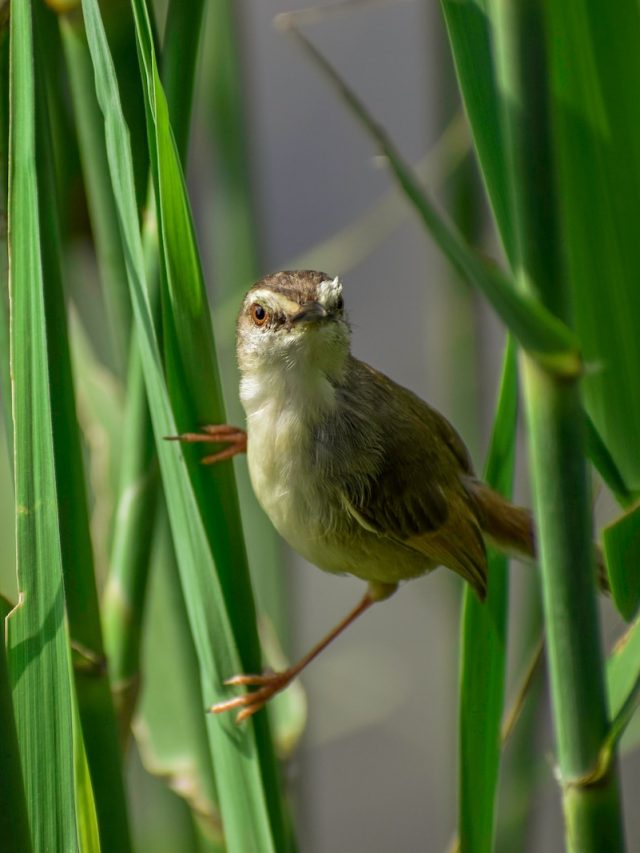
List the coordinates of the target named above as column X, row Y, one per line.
column 483, row 644
column 597, row 137
column 14, row 824
column 39, row 654
column 621, row 541
column 95, row 706
column 470, row 37
column 623, row 674
column 546, row 337
column 605, row 465
column 170, row 727
column 248, row 801
column 104, row 221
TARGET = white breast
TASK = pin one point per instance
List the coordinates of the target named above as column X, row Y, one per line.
column 280, row 428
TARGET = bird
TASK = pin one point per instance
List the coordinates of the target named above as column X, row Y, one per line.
column 357, row 473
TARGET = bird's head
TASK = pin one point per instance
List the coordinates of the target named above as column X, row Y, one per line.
column 293, row 324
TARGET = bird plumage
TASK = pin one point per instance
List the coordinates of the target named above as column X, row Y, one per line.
column 356, row 472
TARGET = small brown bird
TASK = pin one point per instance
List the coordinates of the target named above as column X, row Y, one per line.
column 357, row 473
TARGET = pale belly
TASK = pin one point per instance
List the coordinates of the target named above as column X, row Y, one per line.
column 314, row 524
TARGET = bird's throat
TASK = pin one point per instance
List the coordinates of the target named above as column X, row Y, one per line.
column 304, row 393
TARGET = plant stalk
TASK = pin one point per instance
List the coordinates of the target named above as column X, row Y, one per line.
column 557, row 442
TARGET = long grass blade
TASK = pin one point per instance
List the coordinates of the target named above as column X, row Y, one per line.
column 244, row 800
column 235, row 265
column 537, row 329
column 134, row 514
column 621, row 541
column 188, row 348
column 123, row 602
column 470, row 37
column 5, row 373
column 169, row 726
column 597, row 136
column 623, row 672
column 102, row 211
column 39, row 655
column 14, row 822
column 95, row 706
column 483, row 643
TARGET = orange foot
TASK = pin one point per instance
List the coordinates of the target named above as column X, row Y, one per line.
column 235, row 437
column 269, row 684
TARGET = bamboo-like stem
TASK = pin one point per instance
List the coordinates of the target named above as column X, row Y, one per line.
column 557, row 443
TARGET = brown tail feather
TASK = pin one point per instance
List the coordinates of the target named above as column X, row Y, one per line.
column 511, row 528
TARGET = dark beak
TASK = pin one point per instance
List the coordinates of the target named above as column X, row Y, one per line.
column 310, row 312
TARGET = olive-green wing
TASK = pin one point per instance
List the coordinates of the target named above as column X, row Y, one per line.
column 417, row 495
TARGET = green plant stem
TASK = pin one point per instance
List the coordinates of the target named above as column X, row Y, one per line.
column 557, row 444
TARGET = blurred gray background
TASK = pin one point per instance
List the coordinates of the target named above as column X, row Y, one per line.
column 377, row 767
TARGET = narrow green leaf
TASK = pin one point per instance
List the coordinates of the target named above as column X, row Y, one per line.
column 189, row 350
column 14, row 823
column 94, row 701
column 597, row 137
column 234, row 227
column 621, row 541
column 244, row 800
column 540, row 332
column 235, row 265
column 356, row 241
column 39, row 655
column 169, row 726
column 179, row 60
column 98, row 187
column 5, row 377
column 623, row 674
column 125, row 591
column 470, row 37
column 605, row 464
column 483, row 647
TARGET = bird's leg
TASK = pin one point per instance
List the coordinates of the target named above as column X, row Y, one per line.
column 235, row 437
column 271, row 683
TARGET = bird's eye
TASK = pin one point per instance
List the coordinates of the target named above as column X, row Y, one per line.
column 340, row 303
column 259, row 314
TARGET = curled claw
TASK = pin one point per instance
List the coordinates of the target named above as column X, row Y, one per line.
column 270, row 683
column 235, row 437
column 250, row 703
